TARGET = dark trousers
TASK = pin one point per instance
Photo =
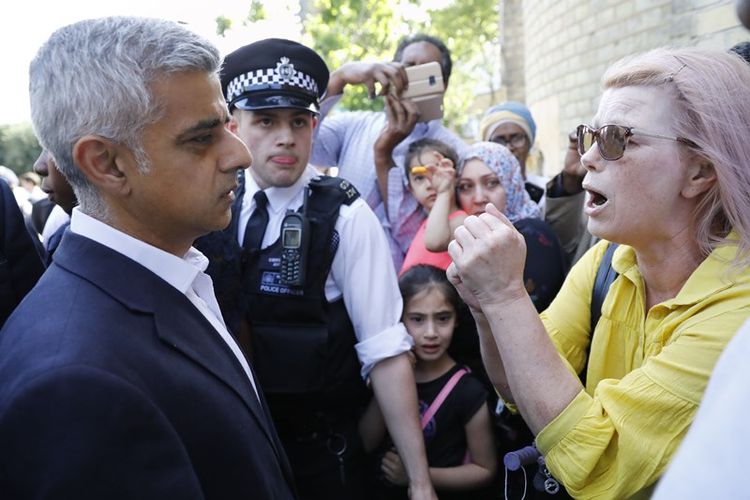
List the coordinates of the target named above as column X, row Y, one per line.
column 314, row 458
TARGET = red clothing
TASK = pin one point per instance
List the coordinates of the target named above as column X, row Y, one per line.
column 418, row 253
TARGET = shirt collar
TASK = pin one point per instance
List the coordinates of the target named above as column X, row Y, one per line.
column 178, row 272
column 710, row 277
column 279, row 197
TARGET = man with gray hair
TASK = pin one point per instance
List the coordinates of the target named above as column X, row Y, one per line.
column 128, row 384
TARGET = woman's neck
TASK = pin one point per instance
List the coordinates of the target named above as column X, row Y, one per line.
column 666, row 268
column 427, row 371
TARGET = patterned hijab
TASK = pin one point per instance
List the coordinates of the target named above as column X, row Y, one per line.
column 500, row 160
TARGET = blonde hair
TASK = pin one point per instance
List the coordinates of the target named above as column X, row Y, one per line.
column 711, row 90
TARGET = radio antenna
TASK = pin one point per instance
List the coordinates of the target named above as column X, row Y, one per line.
column 304, row 200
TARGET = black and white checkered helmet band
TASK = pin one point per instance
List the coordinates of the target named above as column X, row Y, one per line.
column 269, row 76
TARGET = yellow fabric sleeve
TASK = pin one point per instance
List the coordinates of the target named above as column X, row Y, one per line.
column 647, row 373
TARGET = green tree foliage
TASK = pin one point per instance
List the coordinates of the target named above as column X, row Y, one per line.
column 470, row 29
column 354, row 30
column 223, row 24
column 369, row 30
column 19, row 148
column 257, row 12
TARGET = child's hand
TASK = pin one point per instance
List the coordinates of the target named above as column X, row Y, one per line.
column 393, row 468
column 444, row 176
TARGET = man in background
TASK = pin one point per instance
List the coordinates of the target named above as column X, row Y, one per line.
column 346, row 140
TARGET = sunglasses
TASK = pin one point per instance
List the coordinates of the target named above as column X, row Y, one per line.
column 612, row 139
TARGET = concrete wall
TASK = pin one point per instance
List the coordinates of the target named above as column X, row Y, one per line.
column 555, row 52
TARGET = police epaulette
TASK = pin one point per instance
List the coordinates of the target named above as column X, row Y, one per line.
column 345, row 188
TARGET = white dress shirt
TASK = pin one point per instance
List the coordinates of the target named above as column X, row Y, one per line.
column 712, row 460
column 362, row 270
column 57, row 217
column 186, row 274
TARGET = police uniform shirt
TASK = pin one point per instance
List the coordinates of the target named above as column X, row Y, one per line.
column 362, row 270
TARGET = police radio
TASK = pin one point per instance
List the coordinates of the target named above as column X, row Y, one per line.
column 295, row 238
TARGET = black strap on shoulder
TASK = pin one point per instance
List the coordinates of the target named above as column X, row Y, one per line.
column 605, row 275
column 335, row 187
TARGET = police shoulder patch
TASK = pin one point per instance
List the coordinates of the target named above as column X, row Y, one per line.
column 346, row 189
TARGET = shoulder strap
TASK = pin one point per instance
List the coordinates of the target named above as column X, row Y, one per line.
column 442, row 396
column 605, row 275
column 334, row 188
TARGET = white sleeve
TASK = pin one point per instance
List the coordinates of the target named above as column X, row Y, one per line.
column 362, row 269
column 712, row 460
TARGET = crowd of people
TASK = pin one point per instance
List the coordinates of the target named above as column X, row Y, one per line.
column 208, row 316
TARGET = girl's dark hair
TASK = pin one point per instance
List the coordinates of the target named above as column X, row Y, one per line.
column 419, row 277
column 417, row 147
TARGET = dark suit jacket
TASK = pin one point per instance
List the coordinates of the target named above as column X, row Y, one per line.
column 20, row 264
column 113, row 385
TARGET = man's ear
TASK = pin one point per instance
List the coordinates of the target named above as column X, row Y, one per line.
column 314, row 121
column 101, row 161
column 701, row 177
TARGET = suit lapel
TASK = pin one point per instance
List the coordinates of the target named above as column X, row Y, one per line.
column 193, row 336
column 178, row 323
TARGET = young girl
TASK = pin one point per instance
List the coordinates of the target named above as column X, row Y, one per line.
column 430, row 167
column 457, row 432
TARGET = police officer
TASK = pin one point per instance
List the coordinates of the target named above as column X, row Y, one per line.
column 306, row 264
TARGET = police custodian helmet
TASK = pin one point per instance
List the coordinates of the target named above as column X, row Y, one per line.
column 274, row 73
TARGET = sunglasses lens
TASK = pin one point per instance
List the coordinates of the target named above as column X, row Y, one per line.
column 585, row 139
column 612, row 139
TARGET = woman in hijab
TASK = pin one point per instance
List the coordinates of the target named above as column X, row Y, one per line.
column 489, row 173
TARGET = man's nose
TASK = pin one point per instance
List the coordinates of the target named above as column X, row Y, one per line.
column 235, row 155
column 40, row 165
column 286, row 135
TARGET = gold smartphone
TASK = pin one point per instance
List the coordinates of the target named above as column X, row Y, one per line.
column 426, row 89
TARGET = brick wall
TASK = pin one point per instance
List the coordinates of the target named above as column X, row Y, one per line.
column 555, row 52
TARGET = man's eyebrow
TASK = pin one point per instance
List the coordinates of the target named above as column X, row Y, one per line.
column 201, row 126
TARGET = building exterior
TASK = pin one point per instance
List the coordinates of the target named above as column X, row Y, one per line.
column 554, row 52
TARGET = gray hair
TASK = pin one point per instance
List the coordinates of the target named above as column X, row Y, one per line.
column 94, row 77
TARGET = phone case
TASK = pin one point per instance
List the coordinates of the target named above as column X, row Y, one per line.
column 426, row 89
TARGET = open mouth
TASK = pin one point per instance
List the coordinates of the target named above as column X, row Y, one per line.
column 596, row 198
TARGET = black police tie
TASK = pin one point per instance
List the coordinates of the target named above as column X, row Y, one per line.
column 256, row 226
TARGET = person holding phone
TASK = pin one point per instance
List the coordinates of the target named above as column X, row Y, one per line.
column 354, row 141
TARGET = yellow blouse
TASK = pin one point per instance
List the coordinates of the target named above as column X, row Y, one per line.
column 647, row 373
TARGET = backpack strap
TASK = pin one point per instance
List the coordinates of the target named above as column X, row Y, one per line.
column 442, row 396
column 605, row 275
